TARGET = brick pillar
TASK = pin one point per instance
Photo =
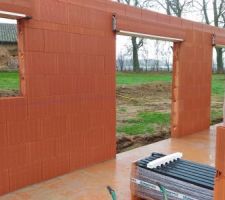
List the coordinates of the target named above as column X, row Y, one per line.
column 220, row 164
column 191, row 88
column 175, row 86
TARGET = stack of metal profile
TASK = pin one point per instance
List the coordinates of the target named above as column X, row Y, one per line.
column 175, row 180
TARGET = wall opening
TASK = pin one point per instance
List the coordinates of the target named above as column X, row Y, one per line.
column 144, row 92
column 9, row 62
column 218, row 86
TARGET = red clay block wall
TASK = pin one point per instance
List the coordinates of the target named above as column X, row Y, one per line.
column 219, row 193
column 18, row 6
column 65, row 118
column 192, row 83
column 220, row 150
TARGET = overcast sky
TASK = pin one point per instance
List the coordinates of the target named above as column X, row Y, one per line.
column 9, row 21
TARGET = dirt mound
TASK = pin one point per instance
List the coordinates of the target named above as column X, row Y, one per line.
column 125, row 143
column 153, row 90
column 4, row 55
column 151, row 97
column 11, row 93
column 131, row 100
column 217, row 121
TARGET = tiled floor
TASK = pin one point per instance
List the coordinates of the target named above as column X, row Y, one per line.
column 90, row 183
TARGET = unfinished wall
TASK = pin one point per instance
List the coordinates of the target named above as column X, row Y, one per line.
column 18, row 6
column 219, row 193
column 192, row 84
column 192, row 65
column 65, row 118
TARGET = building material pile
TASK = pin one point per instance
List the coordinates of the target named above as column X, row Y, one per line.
column 173, row 180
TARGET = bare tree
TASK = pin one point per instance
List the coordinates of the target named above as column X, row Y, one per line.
column 204, row 7
column 121, row 61
column 179, row 7
column 218, row 21
column 157, row 50
column 137, row 43
column 166, row 52
column 145, row 56
column 171, row 7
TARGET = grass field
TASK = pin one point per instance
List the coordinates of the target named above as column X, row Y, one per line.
column 218, row 85
column 147, row 122
column 218, row 80
column 9, row 81
column 142, row 78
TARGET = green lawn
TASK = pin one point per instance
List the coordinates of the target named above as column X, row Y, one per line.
column 142, row 78
column 218, row 85
column 147, row 122
column 9, row 81
column 218, row 80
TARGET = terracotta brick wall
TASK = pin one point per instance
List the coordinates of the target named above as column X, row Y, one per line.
column 65, row 118
column 192, row 84
column 18, row 6
column 219, row 193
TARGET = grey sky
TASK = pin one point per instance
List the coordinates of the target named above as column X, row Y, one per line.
column 2, row 20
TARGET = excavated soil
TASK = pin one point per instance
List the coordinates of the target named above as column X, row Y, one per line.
column 11, row 93
column 126, row 143
column 152, row 97
column 132, row 100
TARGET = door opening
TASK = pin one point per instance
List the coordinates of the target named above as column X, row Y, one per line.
column 218, row 85
column 144, row 89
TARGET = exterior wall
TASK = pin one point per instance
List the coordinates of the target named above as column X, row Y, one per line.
column 192, row 84
column 18, row 6
column 65, row 118
column 219, row 193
